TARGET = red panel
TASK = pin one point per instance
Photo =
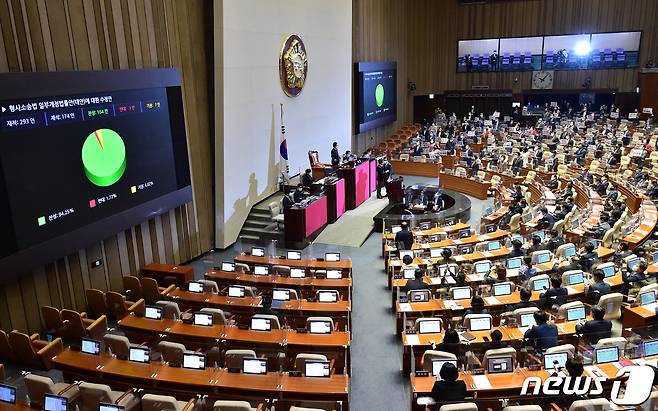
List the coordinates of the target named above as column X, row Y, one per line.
column 316, row 215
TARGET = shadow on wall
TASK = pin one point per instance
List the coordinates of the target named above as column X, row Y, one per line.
column 242, row 206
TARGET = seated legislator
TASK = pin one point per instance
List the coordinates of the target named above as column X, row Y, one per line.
column 542, row 335
column 598, row 287
column 556, row 295
column 555, row 241
column 574, row 264
column 527, row 271
column 299, row 195
column 536, row 245
column 451, row 343
column 477, row 306
column 517, row 249
column 307, row 178
column 597, row 328
column 636, row 276
column 404, row 236
column 525, row 296
column 416, row 283
column 449, row 388
column 500, row 274
column 589, row 257
column 496, row 342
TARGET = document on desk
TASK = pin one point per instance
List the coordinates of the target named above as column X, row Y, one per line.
column 492, row 301
column 650, row 308
column 481, row 382
column 487, row 254
column 453, row 305
column 412, row 339
column 457, row 242
column 405, row 307
column 594, row 371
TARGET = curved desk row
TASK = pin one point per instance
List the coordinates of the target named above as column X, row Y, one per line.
column 185, row 383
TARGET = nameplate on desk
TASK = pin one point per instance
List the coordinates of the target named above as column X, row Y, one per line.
column 481, row 382
column 405, row 307
column 453, row 305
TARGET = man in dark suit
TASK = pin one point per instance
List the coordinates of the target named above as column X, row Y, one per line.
column 383, row 173
column 496, row 342
column 525, row 296
column 288, row 200
column 555, row 241
column 299, row 194
column 573, row 265
column 598, row 288
column 335, row 155
column 556, row 295
column 630, row 278
column 449, row 388
column 416, row 283
column 404, row 236
column 542, row 335
column 307, row 178
column 597, row 328
column 546, row 221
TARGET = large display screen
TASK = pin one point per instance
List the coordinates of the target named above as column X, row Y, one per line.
column 562, row 52
column 86, row 155
column 376, row 94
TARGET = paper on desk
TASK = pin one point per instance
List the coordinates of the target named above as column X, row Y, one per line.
column 594, row 371
column 487, row 254
column 457, row 241
column 412, row 339
column 642, row 361
column 481, row 382
column 492, row 301
column 405, row 307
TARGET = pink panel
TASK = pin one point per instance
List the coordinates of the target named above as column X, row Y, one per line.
column 316, row 215
column 373, row 175
column 340, row 198
column 362, row 182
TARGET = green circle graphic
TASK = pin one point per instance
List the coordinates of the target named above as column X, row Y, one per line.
column 379, row 95
column 104, row 157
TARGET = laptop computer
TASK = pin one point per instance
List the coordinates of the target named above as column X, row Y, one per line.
column 576, row 313
column 607, row 354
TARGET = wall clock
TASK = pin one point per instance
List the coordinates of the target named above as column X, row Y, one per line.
column 542, row 80
column 293, row 65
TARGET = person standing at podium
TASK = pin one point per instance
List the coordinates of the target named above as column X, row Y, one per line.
column 335, row 155
column 383, row 173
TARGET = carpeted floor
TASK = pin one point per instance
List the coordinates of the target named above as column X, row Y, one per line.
column 358, row 223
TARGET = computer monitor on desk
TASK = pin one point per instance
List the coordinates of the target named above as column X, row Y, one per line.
column 297, row 273
column 194, row 361
column 90, row 346
column 54, row 403
column 502, row 289
column 152, row 312
column 493, row 245
column 294, row 255
column 395, row 229
column 499, row 365
column 480, row 324
column 258, row 251
column 7, row 394
column 139, row 354
column 528, row 320
column 102, row 406
column 261, row 270
column 236, row 291
column 409, row 273
column 648, row 297
column 429, row 326
column 261, row 324
column 254, row 366
column 555, row 360
column 281, row 294
column 195, row 287
column 319, row 327
column 404, row 253
column 332, row 257
column 576, row 313
column 320, row 369
column 203, row 319
column 576, row 278
column 438, row 364
column 541, row 284
column 461, row 293
column 228, row 266
column 650, row 348
column 607, row 354
column 334, row 274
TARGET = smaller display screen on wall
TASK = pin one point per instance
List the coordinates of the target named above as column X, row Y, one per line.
column 582, row 51
column 376, row 94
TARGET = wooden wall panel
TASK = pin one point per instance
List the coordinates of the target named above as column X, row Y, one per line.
column 50, row 35
column 421, row 35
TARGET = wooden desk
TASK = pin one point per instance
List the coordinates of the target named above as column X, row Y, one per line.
column 640, row 316
column 184, row 383
column 477, row 189
column 305, row 222
column 504, row 385
column 307, row 286
column 416, row 168
column 335, row 345
column 162, row 273
column 511, row 335
column 295, row 311
column 647, row 224
column 313, row 264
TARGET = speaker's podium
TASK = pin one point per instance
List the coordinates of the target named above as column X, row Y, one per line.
column 359, row 182
column 303, row 222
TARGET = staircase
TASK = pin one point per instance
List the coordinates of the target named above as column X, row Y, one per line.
column 258, row 226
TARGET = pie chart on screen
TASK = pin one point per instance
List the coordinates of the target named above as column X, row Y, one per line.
column 104, row 157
